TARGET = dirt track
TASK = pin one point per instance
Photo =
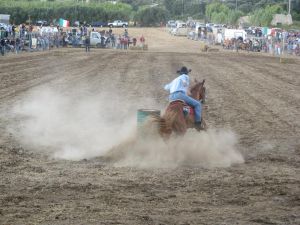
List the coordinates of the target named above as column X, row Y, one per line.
column 252, row 94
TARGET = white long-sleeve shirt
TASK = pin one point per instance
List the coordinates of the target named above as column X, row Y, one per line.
column 181, row 83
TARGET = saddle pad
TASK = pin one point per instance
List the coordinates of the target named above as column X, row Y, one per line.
column 188, row 110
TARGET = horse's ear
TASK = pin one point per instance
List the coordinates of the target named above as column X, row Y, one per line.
column 203, row 81
column 195, row 80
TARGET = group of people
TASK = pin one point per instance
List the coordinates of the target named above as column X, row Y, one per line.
column 276, row 43
column 111, row 40
column 27, row 38
column 10, row 45
column 124, row 42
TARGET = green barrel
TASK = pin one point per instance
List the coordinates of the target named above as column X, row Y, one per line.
column 143, row 115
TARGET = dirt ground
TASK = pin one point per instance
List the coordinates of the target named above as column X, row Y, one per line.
column 251, row 94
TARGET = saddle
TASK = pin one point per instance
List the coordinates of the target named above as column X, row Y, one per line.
column 186, row 109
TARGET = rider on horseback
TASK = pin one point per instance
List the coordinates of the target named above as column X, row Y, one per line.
column 178, row 91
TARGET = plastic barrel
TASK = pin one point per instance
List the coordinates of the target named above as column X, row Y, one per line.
column 142, row 116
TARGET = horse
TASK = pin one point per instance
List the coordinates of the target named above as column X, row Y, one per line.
column 244, row 46
column 179, row 116
column 227, row 44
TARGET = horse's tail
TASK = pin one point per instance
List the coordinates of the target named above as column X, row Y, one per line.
column 164, row 128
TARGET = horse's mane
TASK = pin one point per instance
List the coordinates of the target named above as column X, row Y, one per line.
column 196, row 87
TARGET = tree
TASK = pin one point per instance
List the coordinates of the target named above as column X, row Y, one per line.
column 264, row 16
column 215, row 8
column 218, row 12
column 151, row 16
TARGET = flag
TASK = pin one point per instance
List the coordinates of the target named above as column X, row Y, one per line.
column 64, row 23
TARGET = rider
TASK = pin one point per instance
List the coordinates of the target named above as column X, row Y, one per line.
column 178, row 91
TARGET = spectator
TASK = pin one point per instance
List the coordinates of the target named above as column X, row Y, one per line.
column 125, row 42
column 102, row 41
column 122, row 42
column 113, row 41
column 17, row 43
column 142, row 40
column 87, row 43
column 2, row 46
column 13, row 29
column 134, row 41
column 118, row 42
column 126, row 33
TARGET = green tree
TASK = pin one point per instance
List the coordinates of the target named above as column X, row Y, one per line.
column 218, row 12
column 215, row 8
column 264, row 16
column 151, row 16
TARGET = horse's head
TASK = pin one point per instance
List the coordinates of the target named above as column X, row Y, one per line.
column 198, row 90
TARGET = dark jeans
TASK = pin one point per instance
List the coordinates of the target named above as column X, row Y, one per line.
column 87, row 47
column 2, row 49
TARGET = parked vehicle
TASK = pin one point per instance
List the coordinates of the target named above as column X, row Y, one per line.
column 98, row 40
column 74, row 39
column 41, row 23
column 98, row 24
column 234, row 33
column 171, row 23
column 118, row 23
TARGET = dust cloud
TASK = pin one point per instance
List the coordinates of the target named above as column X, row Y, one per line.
column 72, row 126
column 84, row 127
column 213, row 148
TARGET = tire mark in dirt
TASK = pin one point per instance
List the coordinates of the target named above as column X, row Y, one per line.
column 15, row 89
column 271, row 67
column 273, row 70
column 49, row 69
column 261, row 83
column 256, row 129
column 155, row 74
column 94, row 74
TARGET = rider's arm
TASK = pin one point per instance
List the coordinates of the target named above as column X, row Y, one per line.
column 167, row 87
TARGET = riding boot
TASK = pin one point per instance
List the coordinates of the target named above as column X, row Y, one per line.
column 198, row 125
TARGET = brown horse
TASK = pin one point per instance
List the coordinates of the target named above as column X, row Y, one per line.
column 178, row 116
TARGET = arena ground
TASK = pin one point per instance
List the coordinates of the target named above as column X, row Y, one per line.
column 251, row 95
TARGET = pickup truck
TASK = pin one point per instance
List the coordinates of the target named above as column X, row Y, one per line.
column 118, row 23
column 97, row 40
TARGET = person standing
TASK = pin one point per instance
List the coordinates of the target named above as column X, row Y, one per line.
column 142, row 40
column 17, row 43
column 13, row 30
column 134, row 41
column 2, row 46
column 87, row 43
